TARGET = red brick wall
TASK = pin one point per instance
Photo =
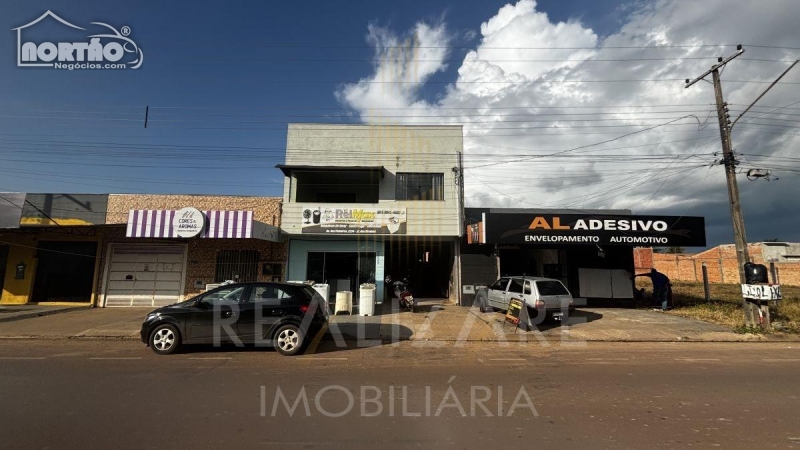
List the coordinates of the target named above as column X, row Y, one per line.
column 720, row 261
column 642, row 258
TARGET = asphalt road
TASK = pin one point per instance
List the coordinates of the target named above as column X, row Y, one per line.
column 113, row 394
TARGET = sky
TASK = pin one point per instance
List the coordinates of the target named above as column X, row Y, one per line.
column 565, row 104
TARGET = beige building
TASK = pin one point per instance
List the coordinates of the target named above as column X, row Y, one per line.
column 365, row 201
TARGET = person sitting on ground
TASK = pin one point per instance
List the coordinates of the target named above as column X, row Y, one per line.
column 660, row 287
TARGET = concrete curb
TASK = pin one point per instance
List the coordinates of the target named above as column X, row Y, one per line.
column 69, row 338
column 40, row 313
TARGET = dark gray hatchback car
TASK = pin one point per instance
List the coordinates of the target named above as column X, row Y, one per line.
column 282, row 315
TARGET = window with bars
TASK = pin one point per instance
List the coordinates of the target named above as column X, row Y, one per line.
column 237, row 265
column 419, row 186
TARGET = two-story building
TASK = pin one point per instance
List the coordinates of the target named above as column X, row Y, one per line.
column 362, row 202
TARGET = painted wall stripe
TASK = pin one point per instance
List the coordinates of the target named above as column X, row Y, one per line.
column 131, row 221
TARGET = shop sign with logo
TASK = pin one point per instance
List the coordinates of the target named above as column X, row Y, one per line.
column 346, row 220
column 188, row 222
column 533, row 228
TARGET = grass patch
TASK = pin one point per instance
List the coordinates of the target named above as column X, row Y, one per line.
column 725, row 307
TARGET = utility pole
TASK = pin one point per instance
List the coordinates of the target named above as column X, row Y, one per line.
column 729, row 160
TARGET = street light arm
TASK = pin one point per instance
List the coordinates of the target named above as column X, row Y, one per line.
column 765, row 91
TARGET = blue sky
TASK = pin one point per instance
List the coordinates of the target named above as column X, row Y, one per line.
column 209, row 64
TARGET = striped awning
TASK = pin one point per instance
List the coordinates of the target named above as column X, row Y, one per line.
column 155, row 223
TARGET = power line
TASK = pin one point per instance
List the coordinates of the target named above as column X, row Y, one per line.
column 482, row 47
column 271, row 60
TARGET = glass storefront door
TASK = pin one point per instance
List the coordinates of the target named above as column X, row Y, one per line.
column 341, row 270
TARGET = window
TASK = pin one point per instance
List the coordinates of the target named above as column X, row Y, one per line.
column 419, row 186
column 336, row 197
column 268, row 293
column 551, row 288
column 237, row 265
column 340, row 268
column 500, row 285
column 224, row 296
column 515, row 286
column 339, row 186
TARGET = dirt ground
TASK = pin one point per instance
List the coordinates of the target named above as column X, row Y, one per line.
column 725, row 305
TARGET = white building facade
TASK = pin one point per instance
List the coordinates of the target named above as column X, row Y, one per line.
column 362, row 202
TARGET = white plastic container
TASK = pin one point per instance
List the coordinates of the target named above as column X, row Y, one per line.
column 366, row 300
column 324, row 290
column 344, row 302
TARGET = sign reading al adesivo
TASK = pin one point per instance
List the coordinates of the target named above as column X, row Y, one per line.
column 188, row 222
column 56, row 44
column 347, row 220
column 595, row 229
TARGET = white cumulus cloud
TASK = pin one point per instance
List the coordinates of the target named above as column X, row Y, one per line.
column 557, row 116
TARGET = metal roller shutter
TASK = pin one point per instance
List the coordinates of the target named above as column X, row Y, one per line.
column 145, row 275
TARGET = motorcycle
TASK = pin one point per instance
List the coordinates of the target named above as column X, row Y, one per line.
column 403, row 294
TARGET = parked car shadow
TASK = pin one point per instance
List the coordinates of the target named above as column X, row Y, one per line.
column 359, row 334
column 576, row 317
column 337, row 337
column 579, row 316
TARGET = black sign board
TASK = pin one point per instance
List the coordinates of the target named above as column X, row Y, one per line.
column 590, row 229
column 514, row 310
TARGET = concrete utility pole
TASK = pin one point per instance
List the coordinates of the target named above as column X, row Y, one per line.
column 729, row 160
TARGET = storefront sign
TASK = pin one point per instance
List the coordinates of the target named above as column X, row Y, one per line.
column 558, row 229
column 514, row 313
column 188, row 222
column 346, row 220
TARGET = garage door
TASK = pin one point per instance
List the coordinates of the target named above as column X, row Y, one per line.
column 145, row 275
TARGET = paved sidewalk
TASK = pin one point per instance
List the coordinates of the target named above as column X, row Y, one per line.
column 439, row 321
column 10, row 313
column 109, row 323
column 436, row 322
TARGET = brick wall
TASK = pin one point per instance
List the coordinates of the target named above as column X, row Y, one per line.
column 642, row 258
column 721, row 264
column 265, row 209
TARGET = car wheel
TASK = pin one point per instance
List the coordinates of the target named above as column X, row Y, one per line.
column 288, row 340
column 165, row 339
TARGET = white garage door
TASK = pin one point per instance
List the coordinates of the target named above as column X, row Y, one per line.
column 145, row 275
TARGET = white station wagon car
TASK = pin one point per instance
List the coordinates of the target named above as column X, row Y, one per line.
column 541, row 295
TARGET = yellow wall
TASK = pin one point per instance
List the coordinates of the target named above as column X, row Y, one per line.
column 17, row 291
column 22, row 247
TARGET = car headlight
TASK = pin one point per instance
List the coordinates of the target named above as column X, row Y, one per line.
column 152, row 316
